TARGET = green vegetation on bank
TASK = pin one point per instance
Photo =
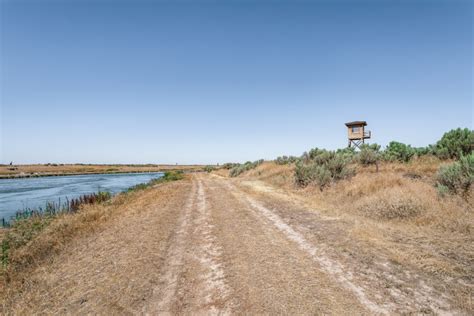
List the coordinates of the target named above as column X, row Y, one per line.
column 167, row 177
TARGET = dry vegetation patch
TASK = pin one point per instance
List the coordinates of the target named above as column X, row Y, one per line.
column 390, row 204
column 401, row 215
column 60, row 231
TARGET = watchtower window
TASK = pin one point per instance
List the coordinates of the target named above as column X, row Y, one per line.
column 355, row 129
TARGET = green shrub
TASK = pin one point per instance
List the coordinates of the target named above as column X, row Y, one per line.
column 396, row 151
column 168, row 176
column 209, row 168
column 457, row 177
column 281, row 160
column 285, row 160
column 312, row 154
column 237, row 170
column 241, row 168
column 324, row 168
column 369, row 154
column 455, row 143
column 423, row 151
column 229, row 165
column 338, row 167
column 309, row 173
column 348, row 152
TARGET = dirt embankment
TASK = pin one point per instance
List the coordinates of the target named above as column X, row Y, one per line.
column 214, row 245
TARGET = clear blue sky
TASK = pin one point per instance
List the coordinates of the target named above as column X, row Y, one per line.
column 206, row 82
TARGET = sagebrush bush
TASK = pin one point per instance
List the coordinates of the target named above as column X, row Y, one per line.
column 396, row 151
column 285, row 160
column 423, row 151
column 309, row 173
column 369, row 154
column 229, row 165
column 455, row 143
column 209, row 168
column 457, row 177
column 241, row 168
column 321, row 167
column 338, row 167
column 315, row 152
column 348, row 152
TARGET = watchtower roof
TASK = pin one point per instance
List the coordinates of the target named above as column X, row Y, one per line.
column 356, row 123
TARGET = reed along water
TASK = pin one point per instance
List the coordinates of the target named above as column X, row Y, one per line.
column 21, row 193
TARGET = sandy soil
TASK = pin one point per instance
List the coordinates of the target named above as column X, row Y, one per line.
column 213, row 245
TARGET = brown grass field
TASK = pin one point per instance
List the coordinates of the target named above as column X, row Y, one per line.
column 7, row 171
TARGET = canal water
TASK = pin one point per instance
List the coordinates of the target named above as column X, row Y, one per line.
column 18, row 194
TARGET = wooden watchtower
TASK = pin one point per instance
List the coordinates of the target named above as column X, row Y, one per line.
column 357, row 133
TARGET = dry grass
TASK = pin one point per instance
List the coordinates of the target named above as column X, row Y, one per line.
column 390, row 204
column 398, row 212
column 397, row 192
column 422, row 166
column 43, row 250
column 61, row 229
column 53, row 169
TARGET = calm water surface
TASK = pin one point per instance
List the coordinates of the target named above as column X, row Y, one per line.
column 17, row 194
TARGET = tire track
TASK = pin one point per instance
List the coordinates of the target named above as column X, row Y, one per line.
column 420, row 298
column 214, row 291
column 268, row 274
column 163, row 297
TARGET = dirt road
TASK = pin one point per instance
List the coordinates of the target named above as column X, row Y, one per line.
column 211, row 245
